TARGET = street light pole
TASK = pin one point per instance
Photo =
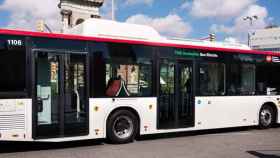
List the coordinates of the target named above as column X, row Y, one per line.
column 251, row 19
column 113, row 9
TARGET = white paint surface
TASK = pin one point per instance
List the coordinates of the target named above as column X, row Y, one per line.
column 210, row 113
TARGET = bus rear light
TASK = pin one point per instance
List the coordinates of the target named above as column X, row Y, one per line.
column 269, row 59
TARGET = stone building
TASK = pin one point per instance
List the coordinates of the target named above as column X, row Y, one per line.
column 74, row 12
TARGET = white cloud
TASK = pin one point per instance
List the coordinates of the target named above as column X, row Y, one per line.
column 229, row 11
column 25, row 13
column 134, row 2
column 186, row 5
column 106, row 9
column 221, row 28
column 231, row 40
column 171, row 25
column 218, row 8
column 240, row 27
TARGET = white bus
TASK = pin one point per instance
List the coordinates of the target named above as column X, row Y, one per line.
column 105, row 79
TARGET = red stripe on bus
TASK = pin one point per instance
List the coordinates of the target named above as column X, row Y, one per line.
column 99, row 39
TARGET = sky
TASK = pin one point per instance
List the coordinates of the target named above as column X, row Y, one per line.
column 193, row 19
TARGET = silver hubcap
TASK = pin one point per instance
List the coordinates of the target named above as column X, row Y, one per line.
column 266, row 117
column 123, row 127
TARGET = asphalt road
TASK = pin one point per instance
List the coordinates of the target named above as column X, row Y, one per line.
column 235, row 143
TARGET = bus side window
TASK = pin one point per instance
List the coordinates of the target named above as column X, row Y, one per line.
column 212, row 79
column 117, row 88
column 134, row 80
column 242, row 79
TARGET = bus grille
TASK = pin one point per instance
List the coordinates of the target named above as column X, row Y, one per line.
column 12, row 122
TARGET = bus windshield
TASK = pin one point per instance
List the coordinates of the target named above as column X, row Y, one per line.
column 12, row 69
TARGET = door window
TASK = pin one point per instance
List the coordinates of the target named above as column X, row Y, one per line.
column 48, row 93
column 61, row 94
column 167, row 94
column 75, row 94
column 185, row 92
column 176, row 95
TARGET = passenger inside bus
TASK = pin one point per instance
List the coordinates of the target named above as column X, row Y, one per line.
column 116, row 88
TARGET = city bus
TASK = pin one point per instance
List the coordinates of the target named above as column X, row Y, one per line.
column 105, row 79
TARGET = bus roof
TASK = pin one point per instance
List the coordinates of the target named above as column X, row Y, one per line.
column 79, row 33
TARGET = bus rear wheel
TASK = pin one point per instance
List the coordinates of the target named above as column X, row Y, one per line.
column 122, row 127
column 266, row 117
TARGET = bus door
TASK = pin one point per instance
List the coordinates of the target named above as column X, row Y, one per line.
column 176, row 95
column 185, row 94
column 61, row 98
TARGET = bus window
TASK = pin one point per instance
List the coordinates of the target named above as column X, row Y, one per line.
column 167, row 85
column 130, row 64
column 12, row 68
column 267, row 83
column 135, row 80
column 242, row 79
column 212, row 79
column 167, row 94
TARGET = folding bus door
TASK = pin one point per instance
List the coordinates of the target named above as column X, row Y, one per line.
column 176, row 94
column 61, row 100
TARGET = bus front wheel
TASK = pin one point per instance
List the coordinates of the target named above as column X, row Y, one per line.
column 122, row 127
column 266, row 117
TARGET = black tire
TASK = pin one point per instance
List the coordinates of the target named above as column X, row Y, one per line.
column 267, row 117
column 122, row 127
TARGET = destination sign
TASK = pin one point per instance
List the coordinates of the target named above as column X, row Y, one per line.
column 195, row 54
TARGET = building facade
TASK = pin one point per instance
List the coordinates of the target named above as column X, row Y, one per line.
column 266, row 39
column 74, row 12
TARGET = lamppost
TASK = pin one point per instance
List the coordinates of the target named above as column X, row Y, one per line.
column 113, row 9
column 251, row 19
